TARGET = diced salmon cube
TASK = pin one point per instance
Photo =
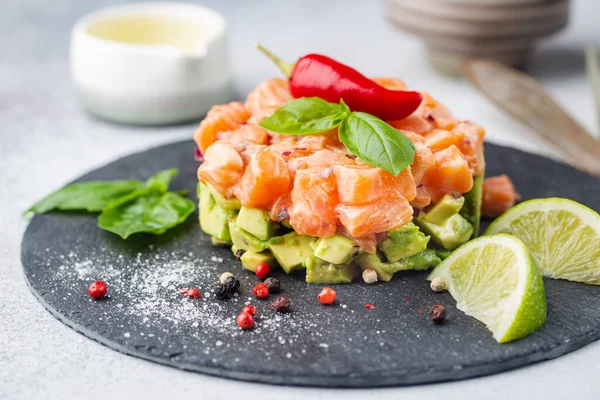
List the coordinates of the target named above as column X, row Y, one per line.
column 222, row 167
column 362, row 184
column 450, row 174
column 314, row 198
column 498, row 196
column 265, row 180
column 249, row 133
column 220, row 118
column 382, row 216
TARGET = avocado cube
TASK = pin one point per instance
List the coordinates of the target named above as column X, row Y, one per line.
column 385, row 271
column 214, row 218
column 291, row 251
column 256, row 222
column 454, row 232
column 250, row 260
column 319, row 271
column 471, row 210
column 403, row 242
column 218, row 242
column 243, row 240
column 228, row 204
column 444, row 209
column 336, row 249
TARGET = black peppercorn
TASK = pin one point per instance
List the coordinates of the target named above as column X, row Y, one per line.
column 437, row 314
column 232, row 284
column 224, row 291
column 281, row 304
column 221, row 292
column 273, row 284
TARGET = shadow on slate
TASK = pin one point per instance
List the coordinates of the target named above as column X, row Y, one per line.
column 340, row 346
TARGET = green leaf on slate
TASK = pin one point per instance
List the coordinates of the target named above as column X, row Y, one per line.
column 145, row 211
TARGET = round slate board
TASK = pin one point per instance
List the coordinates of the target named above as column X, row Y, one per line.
column 344, row 345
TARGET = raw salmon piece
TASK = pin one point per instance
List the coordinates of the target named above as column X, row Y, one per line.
column 280, row 209
column 222, row 167
column 322, row 158
column 268, row 97
column 390, row 83
column 450, row 174
column 498, row 196
column 220, row 118
column 362, row 184
column 440, row 139
column 472, row 147
column 265, row 180
column 366, row 243
column 423, row 198
column 413, row 123
column 314, row 198
column 328, row 140
column 381, row 216
column 422, row 162
column 249, row 133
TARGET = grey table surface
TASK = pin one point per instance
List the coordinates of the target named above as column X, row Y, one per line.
column 47, row 140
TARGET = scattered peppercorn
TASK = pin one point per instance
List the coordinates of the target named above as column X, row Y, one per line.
column 281, row 304
column 232, row 284
column 224, row 276
column 224, row 291
column 97, row 290
column 273, row 284
column 262, row 271
column 260, row 291
column 438, row 285
column 245, row 320
column 369, row 276
column 250, row 309
column 327, row 295
column 420, row 312
column 192, row 293
column 369, row 306
column 437, row 314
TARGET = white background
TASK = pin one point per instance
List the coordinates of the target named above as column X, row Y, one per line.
column 46, row 140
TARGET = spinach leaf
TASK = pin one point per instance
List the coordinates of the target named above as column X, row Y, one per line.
column 305, row 116
column 91, row 196
column 145, row 211
column 161, row 180
column 376, row 142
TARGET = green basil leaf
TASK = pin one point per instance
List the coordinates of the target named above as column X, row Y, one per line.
column 145, row 211
column 376, row 142
column 161, row 180
column 305, row 116
column 91, row 196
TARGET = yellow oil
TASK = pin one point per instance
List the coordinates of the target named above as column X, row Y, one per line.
column 151, row 30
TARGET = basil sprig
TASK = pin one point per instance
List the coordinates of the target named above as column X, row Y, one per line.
column 368, row 137
column 126, row 206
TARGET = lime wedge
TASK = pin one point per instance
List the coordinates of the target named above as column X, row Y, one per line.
column 494, row 279
column 562, row 235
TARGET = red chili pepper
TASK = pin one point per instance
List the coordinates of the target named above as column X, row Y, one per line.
column 315, row 75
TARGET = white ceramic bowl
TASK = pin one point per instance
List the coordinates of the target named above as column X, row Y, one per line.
column 151, row 63
column 456, row 30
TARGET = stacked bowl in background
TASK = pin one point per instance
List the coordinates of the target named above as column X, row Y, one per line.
column 455, row 30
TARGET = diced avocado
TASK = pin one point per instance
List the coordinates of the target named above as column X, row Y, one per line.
column 385, row 271
column 291, row 251
column 403, row 242
column 243, row 240
column 454, row 232
column 471, row 210
column 319, row 271
column 444, row 209
column 228, row 204
column 218, row 242
column 425, row 259
column 256, row 222
column 251, row 259
column 336, row 249
column 214, row 218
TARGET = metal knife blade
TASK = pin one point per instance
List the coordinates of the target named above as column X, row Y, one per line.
column 524, row 98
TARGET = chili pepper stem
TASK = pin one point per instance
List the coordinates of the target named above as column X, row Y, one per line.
column 284, row 66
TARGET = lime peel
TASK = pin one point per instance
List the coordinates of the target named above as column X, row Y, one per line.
column 495, row 280
column 562, row 235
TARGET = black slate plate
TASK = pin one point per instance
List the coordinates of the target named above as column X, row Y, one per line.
column 344, row 345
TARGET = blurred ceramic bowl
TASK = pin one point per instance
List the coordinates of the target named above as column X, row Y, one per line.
column 455, row 30
column 151, row 63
